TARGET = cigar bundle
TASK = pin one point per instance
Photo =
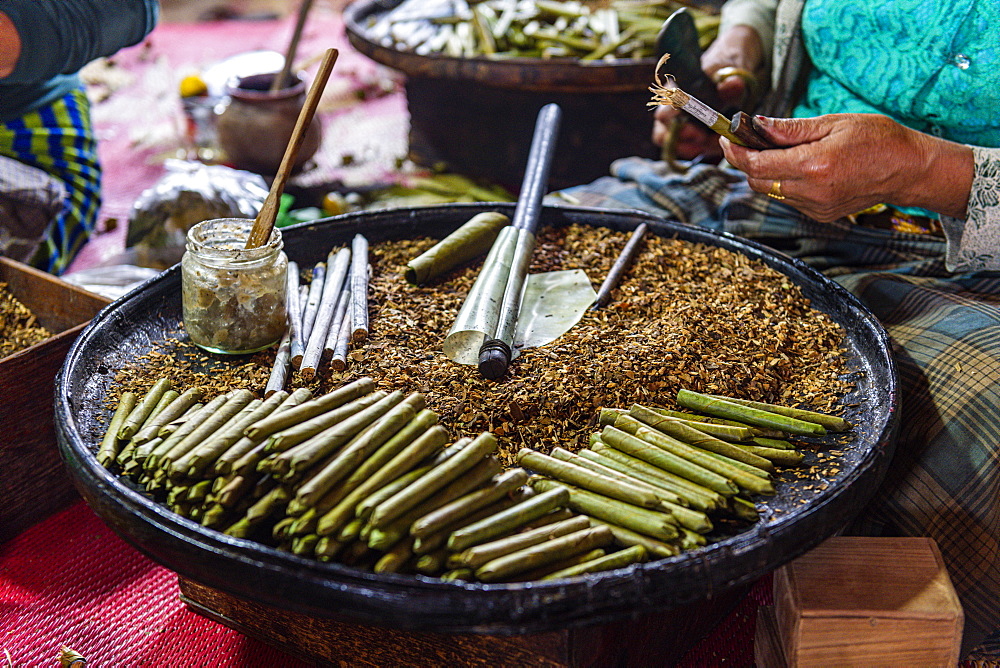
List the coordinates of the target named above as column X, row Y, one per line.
column 325, row 318
column 370, row 478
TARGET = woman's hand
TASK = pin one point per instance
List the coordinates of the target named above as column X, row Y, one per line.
column 740, row 48
column 836, row 165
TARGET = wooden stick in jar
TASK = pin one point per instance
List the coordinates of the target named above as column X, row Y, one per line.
column 264, row 223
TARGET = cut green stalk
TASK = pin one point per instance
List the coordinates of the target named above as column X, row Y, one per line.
column 759, row 418
column 108, row 451
column 667, row 461
column 656, row 524
column 620, row 559
column 687, row 434
column 548, row 552
column 830, row 422
column 508, row 520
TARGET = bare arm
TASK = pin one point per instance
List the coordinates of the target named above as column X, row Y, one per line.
column 10, row 45
column 839, row 164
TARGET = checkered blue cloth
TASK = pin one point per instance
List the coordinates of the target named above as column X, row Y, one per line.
column 944, row 481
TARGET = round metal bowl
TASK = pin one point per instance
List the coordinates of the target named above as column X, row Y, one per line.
column 802, row 516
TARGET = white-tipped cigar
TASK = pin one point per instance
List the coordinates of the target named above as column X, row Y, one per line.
column 294, row 308
column 359, row 288
column 333, row 334
column 338, row 266
column 339, row 360
column 312, row 302
column 282, row 365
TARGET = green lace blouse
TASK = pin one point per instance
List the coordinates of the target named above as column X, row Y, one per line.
column 931, row 65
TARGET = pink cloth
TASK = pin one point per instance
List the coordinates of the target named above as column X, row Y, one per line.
column 141, row 124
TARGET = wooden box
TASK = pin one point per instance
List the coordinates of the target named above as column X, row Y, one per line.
column 35, row 483
column 861, row 601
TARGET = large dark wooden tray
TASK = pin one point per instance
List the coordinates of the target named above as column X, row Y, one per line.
column 802, row 517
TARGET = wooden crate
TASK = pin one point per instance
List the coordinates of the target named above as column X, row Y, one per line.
column 35, row 482
column 862, row 601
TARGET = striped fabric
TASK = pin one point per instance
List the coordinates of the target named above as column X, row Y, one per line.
column 58, row 138
column 945, row 479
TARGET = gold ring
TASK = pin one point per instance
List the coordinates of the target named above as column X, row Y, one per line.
column 775, row 191
column 748, row 77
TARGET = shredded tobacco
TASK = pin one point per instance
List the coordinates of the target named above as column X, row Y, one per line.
column 19, row 328
column 685, row 315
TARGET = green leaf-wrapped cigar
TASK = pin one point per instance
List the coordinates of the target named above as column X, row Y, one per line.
column 743, row 508
column 477, row 555
column 310, row 409
column 830, row 422
column 609, row 415
column 394, row 471
column 450, row 512
column 776, row 443
column 198, row 460
column 137, row 416
column 782, row 457
column 195, row 418
column 697, row 496
column 381, row 538
column 438, row 539
column 757, row 484
column 653, row 523
column 584, row 478
column 236, row 402
column 483, row 445
column 109, row 448
column 305, row 545
column 292, row 463
column 541, row 554
column 566, row 456
column 540, row 572
column 473, row 238
column 726, row 432
column 327, row 548
column 513, row 517
column 699, row 420
column 432, row 563
column 174, row 410
column 688, row 434
column 358, row 449
column 630, row 555
column 299, row 433
column 421, row 422
column 667, row 461
column 224, row 464
column 627, row 538
column 753, row 416
column 394, row 560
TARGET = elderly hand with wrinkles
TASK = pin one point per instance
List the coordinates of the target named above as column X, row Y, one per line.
column 835, row 165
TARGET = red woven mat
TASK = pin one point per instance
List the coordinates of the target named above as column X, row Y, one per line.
column 70, row 581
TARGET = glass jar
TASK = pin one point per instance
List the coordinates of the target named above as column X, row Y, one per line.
column 233, row 298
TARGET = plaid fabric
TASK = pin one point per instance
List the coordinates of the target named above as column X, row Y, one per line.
column 58, row 138
column 945, row 479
